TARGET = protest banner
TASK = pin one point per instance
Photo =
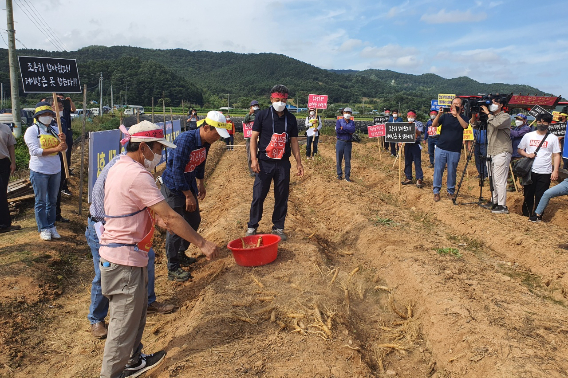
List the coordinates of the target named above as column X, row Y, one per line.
column 400, row 132
column 380, row 120
column 172, row 131
column 556, row 116
column 558, row 129
column 103, row 147
column 445, row 100
column 317, row 101
column 247, row 129
column 435, row 106
column 537, row 109
column 44, row 75
column 468, row 133
column 376, row 131
column 526, row 101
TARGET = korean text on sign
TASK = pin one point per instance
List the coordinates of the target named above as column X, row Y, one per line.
column 376, row 131
column 317, row 101
column 445, row 100
column 41, row 75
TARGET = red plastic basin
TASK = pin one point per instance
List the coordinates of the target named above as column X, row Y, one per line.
column 262, row 255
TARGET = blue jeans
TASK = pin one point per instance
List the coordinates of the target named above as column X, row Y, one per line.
column 46, row 188
column 432, row 142
column 99, row 303
column 413, row 154
column 441, row 158
column 315, row 140
column 556, row 191
column 343, row 149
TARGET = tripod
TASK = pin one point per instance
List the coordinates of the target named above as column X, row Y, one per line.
column 481, row 141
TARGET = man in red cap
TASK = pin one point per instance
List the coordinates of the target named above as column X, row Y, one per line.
column 431, row 135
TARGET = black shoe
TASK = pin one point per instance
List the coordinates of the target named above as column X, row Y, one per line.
column 147, row 362
column 186, row 261
column 61, row 219
column 179, row 275
column 535, row 218
column 339, row 178
column 66, row 192
column 489, row 205
column 500, row 210
column 407, row 182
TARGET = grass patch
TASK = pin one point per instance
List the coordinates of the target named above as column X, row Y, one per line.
column 378, row 221
column 449, row 251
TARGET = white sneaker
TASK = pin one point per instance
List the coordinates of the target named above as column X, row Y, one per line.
column 45, row 234
column 250, row 231
column 54, row 233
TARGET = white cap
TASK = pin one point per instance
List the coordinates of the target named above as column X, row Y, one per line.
column 218, row 121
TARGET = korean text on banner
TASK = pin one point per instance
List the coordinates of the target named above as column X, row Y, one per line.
column 445, row 100
column 558, row 129
column 45, row 75
column 434, row 105
column 537, row 109
column 103, row 147
column 247, row 129
column 317, row 101
column 172, row 132
column 376, row 131
column 468, row 133
column 400, row 132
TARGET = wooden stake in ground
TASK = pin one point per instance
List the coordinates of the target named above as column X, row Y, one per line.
column 63, row 153
column 513, row 177
column 164, row 112
column 82, row 148
column 399, row 169
column 152, row 109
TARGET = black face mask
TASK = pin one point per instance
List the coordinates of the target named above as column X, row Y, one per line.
column 541, row 127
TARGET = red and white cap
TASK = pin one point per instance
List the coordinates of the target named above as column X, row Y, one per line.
column 145, row 131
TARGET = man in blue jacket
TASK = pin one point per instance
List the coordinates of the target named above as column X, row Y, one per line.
column 344, row 128
column 394, row 118
column 517, row 133
column 184, row 184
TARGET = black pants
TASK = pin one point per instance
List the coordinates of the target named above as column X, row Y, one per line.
column 534, row 191
column 176, row 245
column 314, row 140
column 279, row 172
column 5, row 220
column 394, row 149
column 62, row 186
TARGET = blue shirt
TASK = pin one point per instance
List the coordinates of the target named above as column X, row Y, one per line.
column 451, row 134
column 97, row 208
column 344, row 129
column 185, row 163
column 516, row 136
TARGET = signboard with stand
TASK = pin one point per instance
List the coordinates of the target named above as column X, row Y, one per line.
column 537, row 109
column 44, row 75
column 317, row 101
column 376, row 131
column 400, row 132
column 558, row 129
column 445, row 100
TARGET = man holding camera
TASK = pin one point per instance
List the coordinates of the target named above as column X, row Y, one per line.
column 448, row 149
column 499, row 150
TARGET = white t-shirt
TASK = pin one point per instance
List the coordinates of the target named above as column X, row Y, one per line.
column 543, row 160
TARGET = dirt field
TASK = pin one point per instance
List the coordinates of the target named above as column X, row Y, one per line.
column 372, row 283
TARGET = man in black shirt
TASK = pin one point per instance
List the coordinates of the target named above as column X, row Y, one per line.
column 448, row 149
column 274, row 138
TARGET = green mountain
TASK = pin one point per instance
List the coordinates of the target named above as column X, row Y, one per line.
column 205, row 78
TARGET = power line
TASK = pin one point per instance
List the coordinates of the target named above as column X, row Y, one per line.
column 38, row 14
column 4, row 40
column 42, row 30
column 39, row 22
column 22, row 43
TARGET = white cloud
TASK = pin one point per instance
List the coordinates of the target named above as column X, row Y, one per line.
column 443, row 17
column 350, row 44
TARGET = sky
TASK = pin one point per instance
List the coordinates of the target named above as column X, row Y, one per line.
column 506, row 41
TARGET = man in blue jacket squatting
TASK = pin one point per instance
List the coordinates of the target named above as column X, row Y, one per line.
column 183, row 184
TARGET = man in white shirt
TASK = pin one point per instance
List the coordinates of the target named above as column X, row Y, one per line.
column 542, row 170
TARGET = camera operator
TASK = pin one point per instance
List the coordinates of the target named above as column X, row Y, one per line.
column 448, row 149
column 499, row 150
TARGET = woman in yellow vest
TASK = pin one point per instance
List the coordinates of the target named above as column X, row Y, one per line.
column 44, row 143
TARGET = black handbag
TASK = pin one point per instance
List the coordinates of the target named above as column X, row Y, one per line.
column 523, row 166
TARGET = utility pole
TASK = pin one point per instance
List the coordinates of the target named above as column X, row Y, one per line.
column 101, row 94
column 1, row 96
column 111, row 100
column 228, row 106
column 16, row 113
column 126, row 96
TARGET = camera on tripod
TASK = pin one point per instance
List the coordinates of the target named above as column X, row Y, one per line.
column 473, row 106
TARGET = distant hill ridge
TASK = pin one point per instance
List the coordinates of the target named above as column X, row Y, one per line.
column 197, row 75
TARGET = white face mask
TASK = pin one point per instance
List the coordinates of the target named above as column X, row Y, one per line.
column 347, row 116
column 279, row 106
column 312, row 113
column 410, row 119
column 255, row 108
column 151, row 164
column 519, row 123
column 432, row 116
column 394, row 115
column 493, row 107
column 46, row 120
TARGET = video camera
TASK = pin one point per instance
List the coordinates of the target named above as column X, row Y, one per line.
column 472, row 105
